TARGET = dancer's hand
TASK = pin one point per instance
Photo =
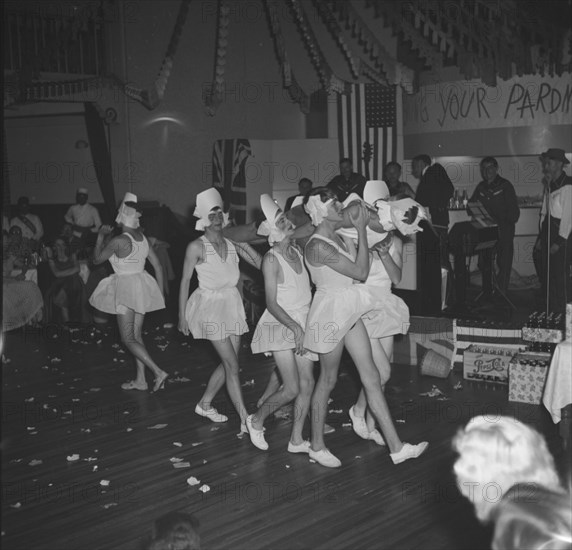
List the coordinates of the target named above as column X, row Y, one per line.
column 105, row 230
column 298, row 339
column 184, row 326
column 359, row 216
column 383, row 247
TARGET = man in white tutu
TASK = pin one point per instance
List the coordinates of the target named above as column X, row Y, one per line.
column 130, row 292
column 280, row 329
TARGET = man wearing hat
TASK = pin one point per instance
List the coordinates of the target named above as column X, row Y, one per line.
column 30, row 224
column 555, row 228
column 83, row 216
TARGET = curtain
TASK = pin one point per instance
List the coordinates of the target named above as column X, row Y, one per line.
column 101, row 158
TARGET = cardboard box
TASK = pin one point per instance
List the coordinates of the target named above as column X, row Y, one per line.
column 488, row 362
column 549, row 335
column 527, row 377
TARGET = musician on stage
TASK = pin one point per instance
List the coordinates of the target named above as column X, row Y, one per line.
column 498, row 197
column 555, row 227
column 347, row 181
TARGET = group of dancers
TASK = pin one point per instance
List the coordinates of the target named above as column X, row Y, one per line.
column 351, row 258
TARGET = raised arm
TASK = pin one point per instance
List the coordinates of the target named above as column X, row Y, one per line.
column 120, row 246
column 193, row 255
column 248, row 253
column 392, row 260
column 272, row 271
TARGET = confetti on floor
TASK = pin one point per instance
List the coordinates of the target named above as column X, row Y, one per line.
column 193, row 481
column 435, row 392
column 73, row 458
column 157, row 427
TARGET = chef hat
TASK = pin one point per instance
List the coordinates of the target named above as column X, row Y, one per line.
column 206, row 201
column 375, row 190
column 127, row 215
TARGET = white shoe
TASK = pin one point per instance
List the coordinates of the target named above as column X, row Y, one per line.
column 358, row 424
column 325, row 458
column 256, row 436
column 303, row 447
column 376, row 437
column 211, row 414
column 409, row 451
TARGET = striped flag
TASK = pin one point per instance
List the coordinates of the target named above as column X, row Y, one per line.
column 367, row 115
column 229, row 157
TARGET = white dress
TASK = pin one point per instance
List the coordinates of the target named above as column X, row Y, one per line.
column 390, row 314
column 215, row 310
column 130, row 287
column 294, row 296
column 337, row 305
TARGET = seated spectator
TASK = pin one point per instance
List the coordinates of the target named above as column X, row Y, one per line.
column 499, row 456
column 175, row 531
column 67, row 291
column 19, row 255
column 30, row 224
column 22, row 301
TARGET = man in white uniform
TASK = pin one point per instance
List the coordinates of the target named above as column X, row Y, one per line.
column 83, row 216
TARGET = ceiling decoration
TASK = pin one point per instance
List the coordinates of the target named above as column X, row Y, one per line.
column 485, row 40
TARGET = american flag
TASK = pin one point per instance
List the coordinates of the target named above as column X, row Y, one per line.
column 368, row 115
column 229, row 157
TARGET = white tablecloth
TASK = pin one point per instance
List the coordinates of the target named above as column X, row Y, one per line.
column 558, row 390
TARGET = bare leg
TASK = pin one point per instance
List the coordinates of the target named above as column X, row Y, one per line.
column 357, row 344
column 130, row 330
column 160, row 374
column 302, row 403
column 286, row 364
column 227, row 350
column 329, row 365
column 271, row 387
column 214, row 385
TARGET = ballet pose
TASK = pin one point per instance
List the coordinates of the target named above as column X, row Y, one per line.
column 130, row 292
column 215, row 310
column 280, row 329
column 335, row 321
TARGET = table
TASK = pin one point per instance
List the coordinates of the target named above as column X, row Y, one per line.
column 557, row 397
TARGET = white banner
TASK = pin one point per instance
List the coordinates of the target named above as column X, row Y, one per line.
column 471, row 105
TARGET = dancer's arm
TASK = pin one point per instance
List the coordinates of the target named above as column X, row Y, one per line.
column 319, row 252
column 248, row 253
column 392, row 262
column 158, row 270
column 193, row 255
column 120, row 246
column 242, row 233
column 271, row 270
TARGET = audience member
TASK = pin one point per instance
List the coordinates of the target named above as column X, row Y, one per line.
column 304, row 187
column 175, row 531
column 497, row 195
column 392, row 177
column 30, row 224
column 83, row 217
column 347, row 181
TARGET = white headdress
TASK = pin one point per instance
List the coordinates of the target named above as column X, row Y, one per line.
column 268, row 227
column 375, row 190
column 316, row 209
column 128, row 215
column 206, row 201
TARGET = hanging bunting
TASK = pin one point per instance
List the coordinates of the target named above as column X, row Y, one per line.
column 215, row 95
column 295, row 91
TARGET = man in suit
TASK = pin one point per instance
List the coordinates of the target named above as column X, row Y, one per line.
column 30, row 224
column 347, row 181
column 434, row 191
column 497, row 196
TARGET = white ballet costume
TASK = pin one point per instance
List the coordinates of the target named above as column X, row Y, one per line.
column 337, row 305
column 130, row 287
column 390, row 314
column 294, row 296
column 215, row 310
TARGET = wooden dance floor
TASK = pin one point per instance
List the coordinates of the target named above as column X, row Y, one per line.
column 86, row 465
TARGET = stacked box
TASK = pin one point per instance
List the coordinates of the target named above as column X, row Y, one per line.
column 489, row 362
column 568, row 329
column 527, row 377
column 483, row 333
column 539, row 334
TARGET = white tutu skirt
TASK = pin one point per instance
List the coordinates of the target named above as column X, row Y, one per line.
column 390, row 316
column 216, row 314
column 117, row 294
column 271, row 335
column 332, row 314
